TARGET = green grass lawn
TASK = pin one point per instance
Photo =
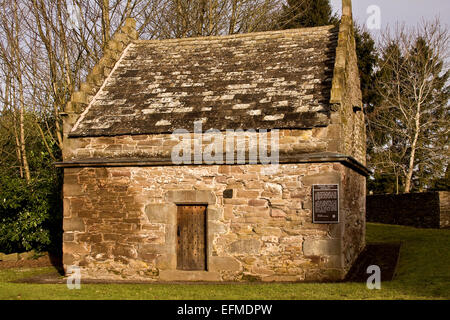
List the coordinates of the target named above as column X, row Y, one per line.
column 423, row 273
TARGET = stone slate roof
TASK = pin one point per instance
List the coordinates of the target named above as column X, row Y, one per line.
column 267, row 80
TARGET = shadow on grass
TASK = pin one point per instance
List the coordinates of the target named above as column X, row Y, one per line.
column 423, row 262
column 383, row 255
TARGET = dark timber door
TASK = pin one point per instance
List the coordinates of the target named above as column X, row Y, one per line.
column 191, row 234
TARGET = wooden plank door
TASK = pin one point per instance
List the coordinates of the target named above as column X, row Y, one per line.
column 191, row 238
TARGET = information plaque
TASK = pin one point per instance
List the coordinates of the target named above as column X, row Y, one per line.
column 325, row 203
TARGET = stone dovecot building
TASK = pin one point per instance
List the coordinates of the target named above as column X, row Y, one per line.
column 141, row 202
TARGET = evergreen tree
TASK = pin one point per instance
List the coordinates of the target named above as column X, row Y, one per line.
column 367, row 61
column 306, row 13
column 442, row 184
column 315, row 13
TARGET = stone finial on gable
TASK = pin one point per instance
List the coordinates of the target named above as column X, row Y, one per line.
column 347, row 8
column 112, row 53
column 345, row 52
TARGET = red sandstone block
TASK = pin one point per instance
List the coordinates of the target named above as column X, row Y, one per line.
column 152, row 143
column 247, row 194
column 73, row 224
column 225, row 169
column 277, row 213
column 235, row 201
column 68, row 236
column 121, row 173
column 257, row 203
column 138, row 138
column 111, row 237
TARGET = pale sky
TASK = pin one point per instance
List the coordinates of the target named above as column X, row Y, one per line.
column 409, row 12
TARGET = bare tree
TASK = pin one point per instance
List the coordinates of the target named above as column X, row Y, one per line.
column 185, row 18
column 47, row 48
column 409, row 130
column 13, row 57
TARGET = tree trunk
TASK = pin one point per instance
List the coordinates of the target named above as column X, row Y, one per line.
column 9, row 102
column 413, row 153
column 233, row 16
column 18, row 58
column 106, row 23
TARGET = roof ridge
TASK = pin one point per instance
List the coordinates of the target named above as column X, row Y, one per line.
column 237, row 36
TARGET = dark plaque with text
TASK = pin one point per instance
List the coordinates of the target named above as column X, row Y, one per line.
column 325, row 203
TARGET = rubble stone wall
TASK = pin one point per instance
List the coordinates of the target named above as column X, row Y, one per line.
column 121, row 222
column 324, row 139
column 421, row 210
column 444, row 204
